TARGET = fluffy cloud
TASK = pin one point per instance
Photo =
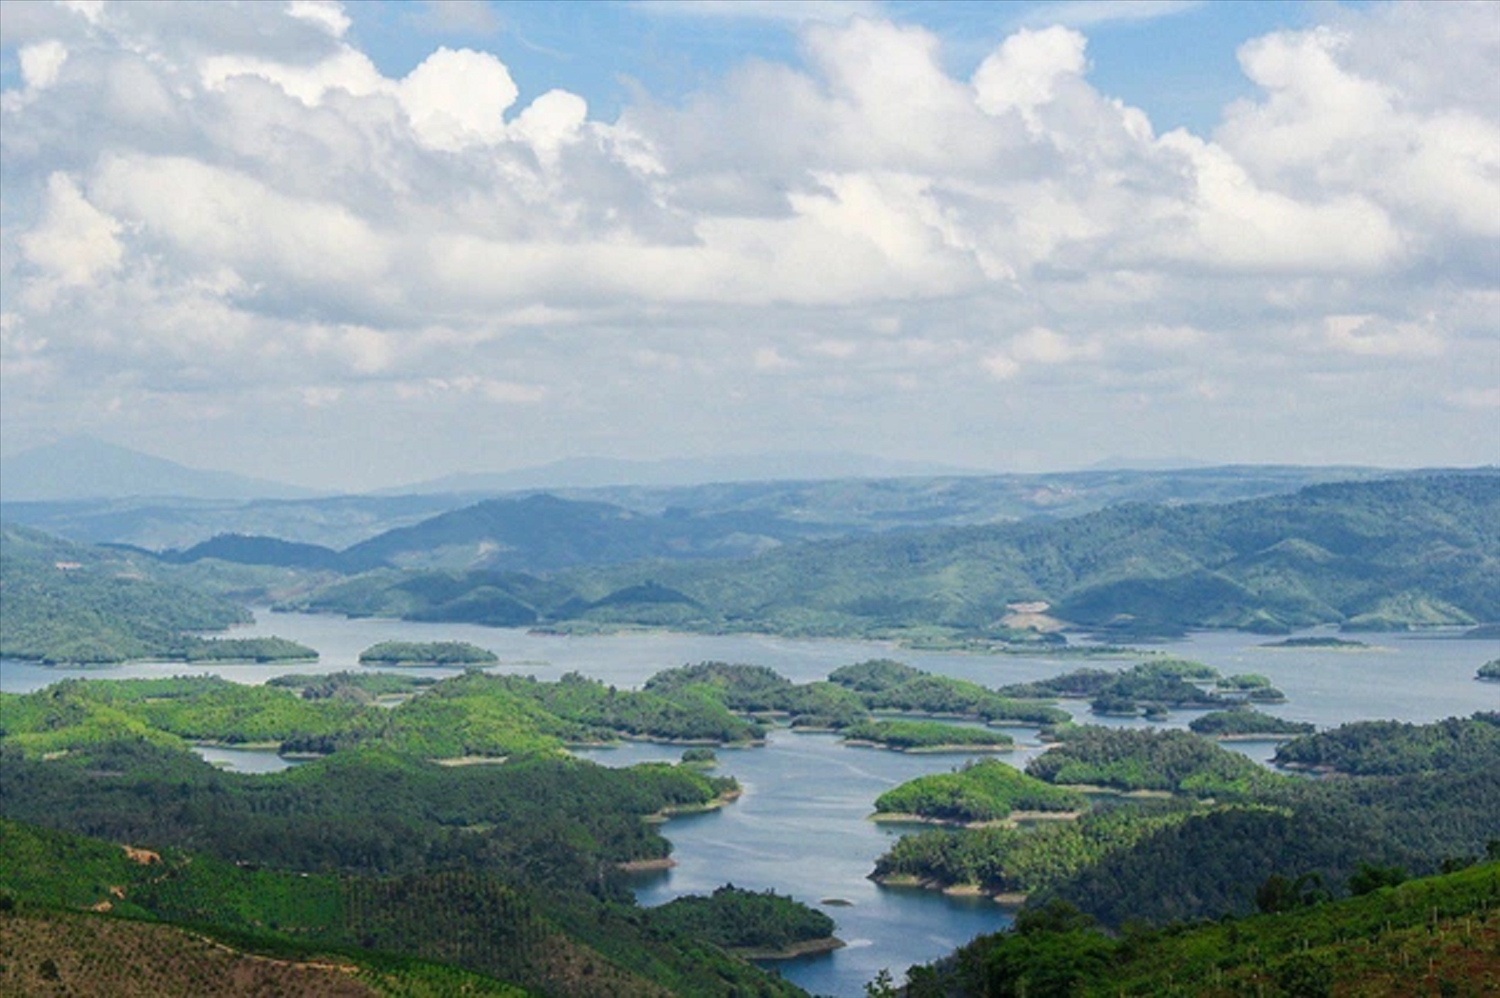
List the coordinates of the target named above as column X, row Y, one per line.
column 215, row 199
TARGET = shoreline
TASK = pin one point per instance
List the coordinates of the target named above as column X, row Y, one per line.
column 1009, row 821
column 811, row 947
column 1006, row 899
column 946, row 749
column 646, row 865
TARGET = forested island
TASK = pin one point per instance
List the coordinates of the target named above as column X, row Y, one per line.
column 977, row 793
column 427, row 653
column 1490, row 670
column 1246, row 723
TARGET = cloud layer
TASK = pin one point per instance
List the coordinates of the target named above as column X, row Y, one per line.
column 227, row 231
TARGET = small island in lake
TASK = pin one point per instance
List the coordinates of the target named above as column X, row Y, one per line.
column 1247, row 723
column 1490, row 671
column 427, row 653
column 758, row 925
column 983, row 791
column 926, row 736
column 1316, row 642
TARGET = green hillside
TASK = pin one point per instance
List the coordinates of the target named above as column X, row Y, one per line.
column 1397, row 553
column 1437, row 936
column 440, row 932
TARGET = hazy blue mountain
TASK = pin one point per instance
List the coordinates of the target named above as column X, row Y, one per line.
column 595, row 472
column 542, row 532
column 160, row 523
column 828, row 507
column 86, row 468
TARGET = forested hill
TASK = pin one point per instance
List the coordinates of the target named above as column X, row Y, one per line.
column 1407, row 552
column 543, row 532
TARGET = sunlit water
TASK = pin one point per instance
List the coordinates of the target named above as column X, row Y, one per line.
column 802, row 826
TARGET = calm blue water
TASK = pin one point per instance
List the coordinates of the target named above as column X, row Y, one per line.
column 802, row 826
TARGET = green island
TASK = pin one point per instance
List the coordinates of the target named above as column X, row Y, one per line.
column 759, row 925
column 851, row 695
column 926, row 736
column 1149, row 688
column 1490, row 671
column 982, row 791
column 1397, row 748
column 1317, row 642
column 885, row 685
column 427, row 653
column 468, row 716
column 1246, row 723
column 362, row 686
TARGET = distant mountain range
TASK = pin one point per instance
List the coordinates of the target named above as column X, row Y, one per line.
column 780, row 509
column 1391, row 554
column 85, row 468
column 599, row 472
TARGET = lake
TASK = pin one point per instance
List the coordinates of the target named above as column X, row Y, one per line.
column 802, row 826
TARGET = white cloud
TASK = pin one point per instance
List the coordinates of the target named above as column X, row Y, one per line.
column 458, row 98
column 41, row 63
column 219, row 206
column 1377, row 336
column 74, row 245
column 326, row 14
column 1023, row 72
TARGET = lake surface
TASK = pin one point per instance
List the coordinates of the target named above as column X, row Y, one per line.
column 802, row 826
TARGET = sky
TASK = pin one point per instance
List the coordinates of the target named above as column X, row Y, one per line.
column 350, row 246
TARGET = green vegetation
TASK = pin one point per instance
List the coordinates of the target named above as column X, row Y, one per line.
column 884, row 685
column 87, row 953
column 986, row 790
column 926, row 736
column 1246, row 722
column 435, row 653
column 1393, row 748
column 1433, row 936
column 1127, row 759
column 496, row 928
column 1399, row 553
column 65, row 603
column 465, row 716
column 70, row 604
column 764, row 924
column 1490, row 670
column 1316, row 642
column 1009, row 861
column 1150, row 687
column 362, row 686
column 1228, row 823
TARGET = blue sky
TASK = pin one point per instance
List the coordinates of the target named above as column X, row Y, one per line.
column 350, row 245
column 1175, row 60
